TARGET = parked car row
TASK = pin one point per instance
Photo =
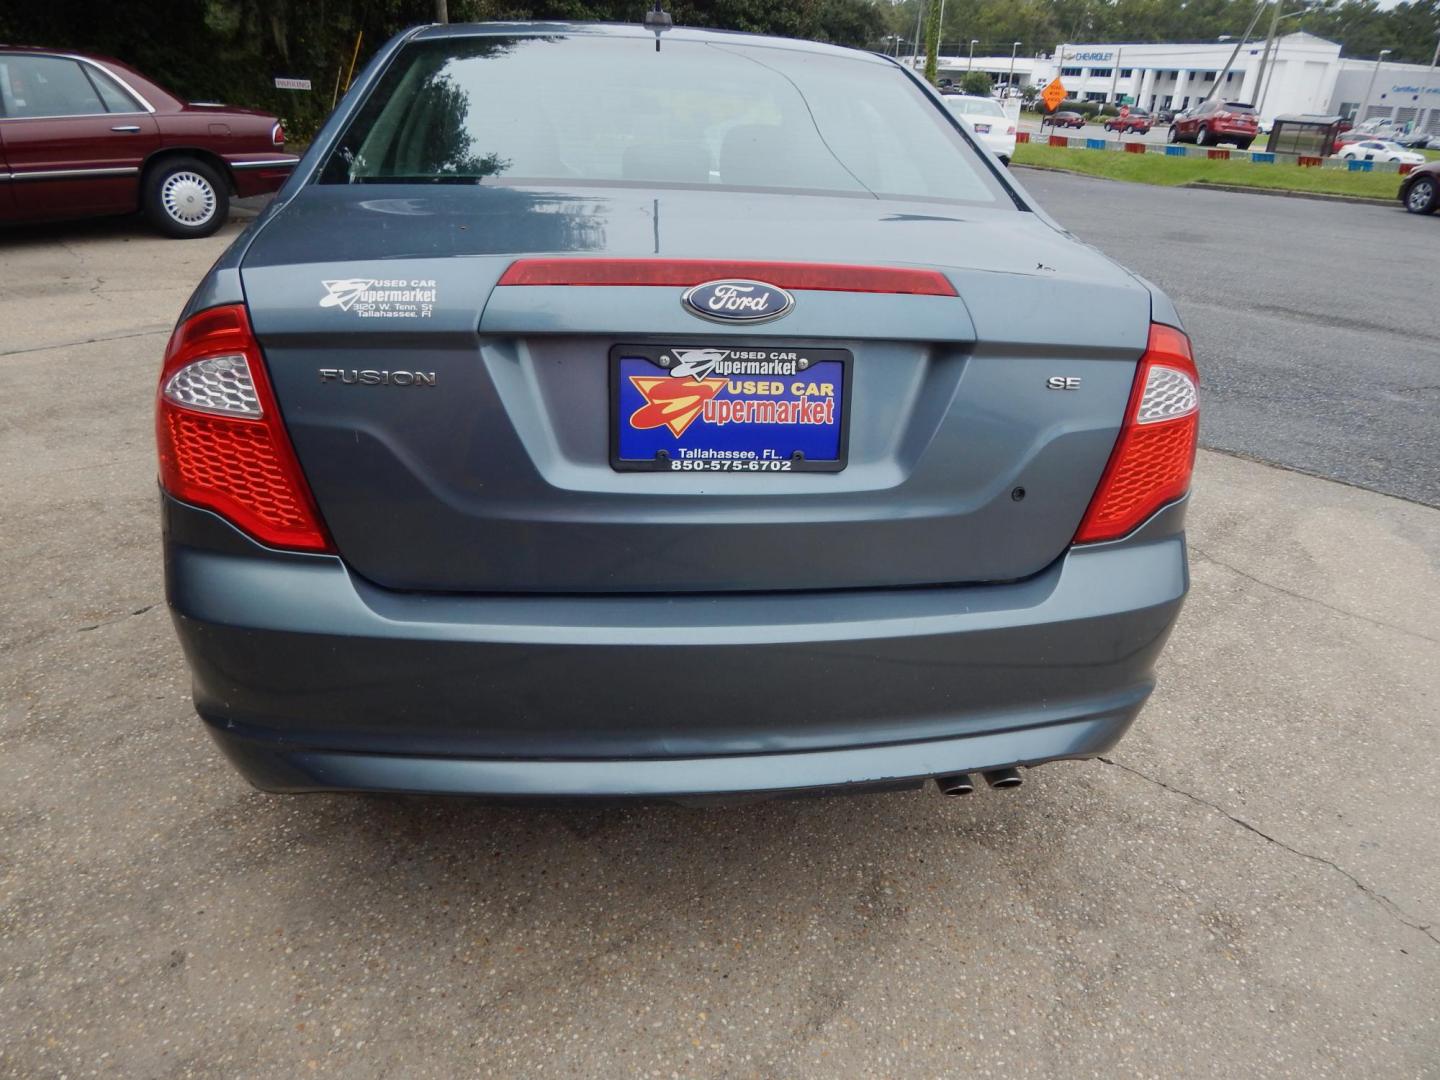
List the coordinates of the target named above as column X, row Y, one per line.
column 1209, row 123
column 87, row 136
column 1380, row 150
column 1409, row 137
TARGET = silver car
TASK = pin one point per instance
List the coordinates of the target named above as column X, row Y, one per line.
column 734, row 427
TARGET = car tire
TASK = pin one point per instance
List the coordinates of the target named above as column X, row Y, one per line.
column 1202, row 137
column 1243, row 144
column 1174, row 135
column 185, row 198
column 1423, row 196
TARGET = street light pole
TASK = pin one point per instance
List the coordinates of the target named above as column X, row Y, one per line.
column 1421, row 119
column 1365, row 102
column 1265, row 59
column 1274, row 63
column 915, row 56
column 970, row 63
column 1236, row 51
column 1010, row 83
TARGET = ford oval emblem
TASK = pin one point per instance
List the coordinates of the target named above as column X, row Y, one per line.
column 737, row 300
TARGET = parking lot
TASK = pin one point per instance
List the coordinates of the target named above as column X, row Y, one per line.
column 1312, row 320
column 1247, row 886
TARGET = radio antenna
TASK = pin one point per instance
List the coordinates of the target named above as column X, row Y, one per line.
column 658, row 20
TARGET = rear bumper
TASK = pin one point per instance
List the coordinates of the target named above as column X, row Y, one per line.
column 312, row 679
column 1001, row 145
column 260, row 174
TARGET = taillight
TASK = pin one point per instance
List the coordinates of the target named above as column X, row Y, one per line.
column 277, row 134
column 221, row 441
column 1155, row 453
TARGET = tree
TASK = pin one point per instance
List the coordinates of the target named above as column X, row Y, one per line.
column 932, row 43
column 231, row 50
column 977, row 83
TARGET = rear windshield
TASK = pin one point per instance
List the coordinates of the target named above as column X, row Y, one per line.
column 1239, row 107
column 974, row 107
column 597, row 110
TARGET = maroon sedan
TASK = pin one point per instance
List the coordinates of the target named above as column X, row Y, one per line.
column 84, row 136
column 1065, row 118
column 1136, row 121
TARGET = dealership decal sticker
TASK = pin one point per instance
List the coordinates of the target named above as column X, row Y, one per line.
column 382, row 298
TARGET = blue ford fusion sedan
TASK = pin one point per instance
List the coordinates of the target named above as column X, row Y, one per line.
column 735, row 426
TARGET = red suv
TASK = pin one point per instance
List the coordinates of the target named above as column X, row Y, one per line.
column 1214, row 121
column 84, row 136
column 1136, row 120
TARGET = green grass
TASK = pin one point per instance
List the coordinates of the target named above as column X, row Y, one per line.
column 1157, row 168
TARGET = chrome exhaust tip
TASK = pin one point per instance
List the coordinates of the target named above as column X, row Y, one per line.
column 955, row 784
column 1004, row 778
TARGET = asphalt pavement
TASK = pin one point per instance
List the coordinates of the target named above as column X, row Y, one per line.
column 1246, row 887
column 1316, row 323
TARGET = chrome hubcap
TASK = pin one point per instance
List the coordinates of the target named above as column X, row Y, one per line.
column 1420, row 195
column 188, row 198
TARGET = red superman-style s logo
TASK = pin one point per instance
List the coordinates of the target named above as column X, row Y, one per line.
column 671, row 402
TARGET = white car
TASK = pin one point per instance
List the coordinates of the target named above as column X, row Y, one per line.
column 1380, row 150
column 986, row 118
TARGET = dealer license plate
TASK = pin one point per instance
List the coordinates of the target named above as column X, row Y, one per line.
column 740, row 409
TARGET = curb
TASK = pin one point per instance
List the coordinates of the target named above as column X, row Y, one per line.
column 1087, row 176
column 1319, row 196
column 1205, row 185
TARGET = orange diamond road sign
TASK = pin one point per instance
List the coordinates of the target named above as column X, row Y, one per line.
column 1053, row 94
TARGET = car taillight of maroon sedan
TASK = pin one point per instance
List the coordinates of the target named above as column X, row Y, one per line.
column 87, row 136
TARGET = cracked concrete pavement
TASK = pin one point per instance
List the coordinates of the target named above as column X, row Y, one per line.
column 1246, row 886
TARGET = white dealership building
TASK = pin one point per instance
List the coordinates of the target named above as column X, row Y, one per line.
column 1305, row 74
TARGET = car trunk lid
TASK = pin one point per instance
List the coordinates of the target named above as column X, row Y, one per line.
column 461, row 438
